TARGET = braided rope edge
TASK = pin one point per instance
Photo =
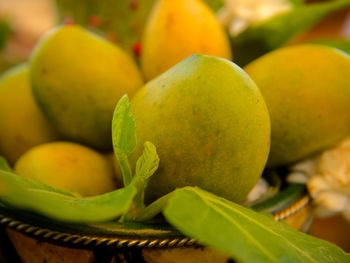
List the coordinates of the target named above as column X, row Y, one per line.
column 85, row 240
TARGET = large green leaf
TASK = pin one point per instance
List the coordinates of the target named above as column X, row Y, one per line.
column 273, row 33
column 32, row 184
column 15, row 193
column 243, row 234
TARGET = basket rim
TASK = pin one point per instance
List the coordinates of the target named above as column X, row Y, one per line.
column 161, row 238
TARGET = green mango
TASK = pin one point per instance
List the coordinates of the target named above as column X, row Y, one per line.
column 77, row 78
column 306, row 89
column 210, row 125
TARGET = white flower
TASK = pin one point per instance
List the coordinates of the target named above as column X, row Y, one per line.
column 328, row 180
column 237, row 15
column 259, row 190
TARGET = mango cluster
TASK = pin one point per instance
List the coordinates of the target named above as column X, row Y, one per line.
column 213, row 123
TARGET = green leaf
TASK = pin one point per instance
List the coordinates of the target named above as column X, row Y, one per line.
column 153, row 209
column 146, row 166
column 33, row 184
column 273, row 33
column 15, row 193
column 243, row 234
column 123, row 136
column 148, row 163
column 4, row 165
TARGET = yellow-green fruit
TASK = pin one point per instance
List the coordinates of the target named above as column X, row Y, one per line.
column 210, row 125
column 22, row 125
column 77, row 78
column 177, row 29
column 307, row 92
column 68, row 166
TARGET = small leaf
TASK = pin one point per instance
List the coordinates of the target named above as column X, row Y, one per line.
column 15, row 194
column 243, row 234
column 123, row 127
column 273, row 33
column 148, row 163
column 123, row 136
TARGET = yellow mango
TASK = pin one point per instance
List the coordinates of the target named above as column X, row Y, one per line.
column 22, row 125
column 68, row 166
column 177, row 29
column 307, row 92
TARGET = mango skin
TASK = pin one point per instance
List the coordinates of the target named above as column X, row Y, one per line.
column 210, row 125
column 22, row 125
column 77, row 79
column 68, row 166
column 177, row 29
column 307, row 92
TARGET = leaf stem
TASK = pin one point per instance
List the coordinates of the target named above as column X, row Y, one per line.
column 125, row 167
column 153, row 209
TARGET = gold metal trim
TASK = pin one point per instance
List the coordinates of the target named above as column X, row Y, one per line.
column 75, row 239
column 291, row 210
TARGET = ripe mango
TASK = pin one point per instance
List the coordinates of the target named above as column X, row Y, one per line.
column 22, row 125
column 210, row 125
column 68, row 166
column 307, row 92
column 177, row 29
column 77, row 78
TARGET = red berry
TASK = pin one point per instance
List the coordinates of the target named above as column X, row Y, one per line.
column 134, row 4
column 94, row 21
column 68, row 22
column 137, row 48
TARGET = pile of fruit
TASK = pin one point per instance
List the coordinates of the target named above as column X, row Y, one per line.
column 196, row 136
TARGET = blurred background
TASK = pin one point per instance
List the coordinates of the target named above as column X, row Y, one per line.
column 23, row 22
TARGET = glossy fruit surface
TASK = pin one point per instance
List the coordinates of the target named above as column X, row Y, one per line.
column 306, row 89
column 22, row 125
column 77, row 78
column 68, row 166
column 210, row 125
column 177, row 29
